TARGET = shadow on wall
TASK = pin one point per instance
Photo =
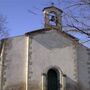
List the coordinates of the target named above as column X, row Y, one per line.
column 8, row 43
column 51, row 41
column 72, row 85
column 5, row 44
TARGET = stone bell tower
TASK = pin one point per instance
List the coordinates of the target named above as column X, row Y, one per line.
column 52, row 17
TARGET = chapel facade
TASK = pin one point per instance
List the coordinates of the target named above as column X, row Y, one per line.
column 45, row 59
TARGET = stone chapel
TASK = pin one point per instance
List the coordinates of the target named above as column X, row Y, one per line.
column 45, row 59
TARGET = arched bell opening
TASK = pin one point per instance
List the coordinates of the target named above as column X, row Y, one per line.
column 52, row 17
column 53, row 20
column 53, row 79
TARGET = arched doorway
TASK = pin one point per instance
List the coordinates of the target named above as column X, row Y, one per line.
column 52, row 80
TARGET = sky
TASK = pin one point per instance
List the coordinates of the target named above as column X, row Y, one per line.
column 26, row 15
column 19, row 19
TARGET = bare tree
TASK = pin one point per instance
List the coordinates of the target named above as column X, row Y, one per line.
column 87, row 2
column 76, row 14
column 76, row 18
column 3, row 28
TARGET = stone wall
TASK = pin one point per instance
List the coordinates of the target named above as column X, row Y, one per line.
column 51, row 50
column 27, row 59
column 14, row 64
column 83, row 66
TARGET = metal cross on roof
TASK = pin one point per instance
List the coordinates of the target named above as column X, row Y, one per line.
column 52, row 4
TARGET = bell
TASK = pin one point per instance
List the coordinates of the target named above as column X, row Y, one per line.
column 52, row 18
